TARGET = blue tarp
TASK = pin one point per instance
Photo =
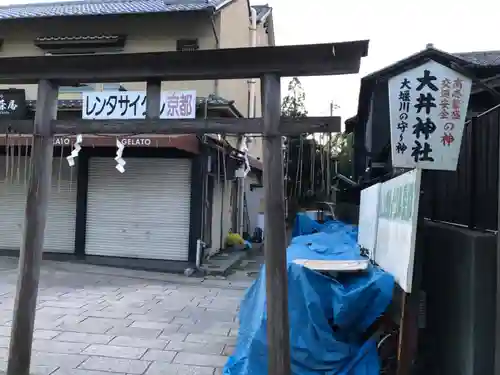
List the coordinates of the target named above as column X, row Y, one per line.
column 305, row 225
column 352, row 302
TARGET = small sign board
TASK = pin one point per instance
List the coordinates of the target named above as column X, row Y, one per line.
column 368, row 218
column 334, row 265
column 131, row 105
column 13, row 104
column 428, row 106
column 397, row 226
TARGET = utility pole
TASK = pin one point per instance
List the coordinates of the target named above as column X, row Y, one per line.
column 328, row 160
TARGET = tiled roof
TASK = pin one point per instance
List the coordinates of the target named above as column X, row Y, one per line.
column 77, row 38
column 262, row 11
column 484, row 58
column 106, row 7
column 212, row 100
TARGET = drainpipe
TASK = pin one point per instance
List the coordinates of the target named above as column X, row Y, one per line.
column 242, row 139
column 251, row 82
column 217, row 46
column 200, row 246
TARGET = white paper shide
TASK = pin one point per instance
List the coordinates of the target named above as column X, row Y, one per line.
column 76, row 149
column 131, row 105
column 120, row 162
column 428, row 108
column 397, row 226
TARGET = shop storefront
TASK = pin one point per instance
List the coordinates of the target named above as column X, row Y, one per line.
column 143, row 213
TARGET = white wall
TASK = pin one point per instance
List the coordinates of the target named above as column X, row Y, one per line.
column 219, row 198
column 253, row 200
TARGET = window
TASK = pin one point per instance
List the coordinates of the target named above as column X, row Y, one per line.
column 80, row 44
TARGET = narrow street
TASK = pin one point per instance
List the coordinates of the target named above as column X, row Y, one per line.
column 95, row 320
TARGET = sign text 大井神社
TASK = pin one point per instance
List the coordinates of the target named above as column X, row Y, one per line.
column 428, row 106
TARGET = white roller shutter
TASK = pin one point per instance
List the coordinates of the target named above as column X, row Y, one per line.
column 61, row 214
column 142, row 213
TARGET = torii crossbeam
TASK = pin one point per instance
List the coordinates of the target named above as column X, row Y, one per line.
column 267, row 63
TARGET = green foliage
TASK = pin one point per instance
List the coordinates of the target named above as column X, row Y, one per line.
column 342, row 150
column 293, row 104
column 306, row 157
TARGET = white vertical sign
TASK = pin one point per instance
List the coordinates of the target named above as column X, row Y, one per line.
column 428, row 107
column 397, row 226
column 368, row 218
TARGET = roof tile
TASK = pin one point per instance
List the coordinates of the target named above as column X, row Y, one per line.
column 106, row 7
column 483, row 58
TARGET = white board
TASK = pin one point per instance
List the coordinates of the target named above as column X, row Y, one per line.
column 368, row 218
column 397, row 226
column 334, row 265
column 126, row 105
column 428, row 107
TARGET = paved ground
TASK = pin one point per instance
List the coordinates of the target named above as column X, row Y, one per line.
column 97, row 321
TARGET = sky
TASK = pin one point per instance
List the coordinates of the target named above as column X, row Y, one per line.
column 395, row 31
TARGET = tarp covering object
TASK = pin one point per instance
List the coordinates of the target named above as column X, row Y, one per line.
column 351, row 303
column 305, row 225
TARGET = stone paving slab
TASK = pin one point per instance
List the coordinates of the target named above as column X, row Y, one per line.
column 94, row 320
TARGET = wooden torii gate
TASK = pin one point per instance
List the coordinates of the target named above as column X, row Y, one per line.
column 268, row 63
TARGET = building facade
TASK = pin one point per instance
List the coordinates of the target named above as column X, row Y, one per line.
column 175, row 190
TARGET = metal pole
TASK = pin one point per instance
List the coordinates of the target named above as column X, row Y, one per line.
column 241, row 205
column 328, row 162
